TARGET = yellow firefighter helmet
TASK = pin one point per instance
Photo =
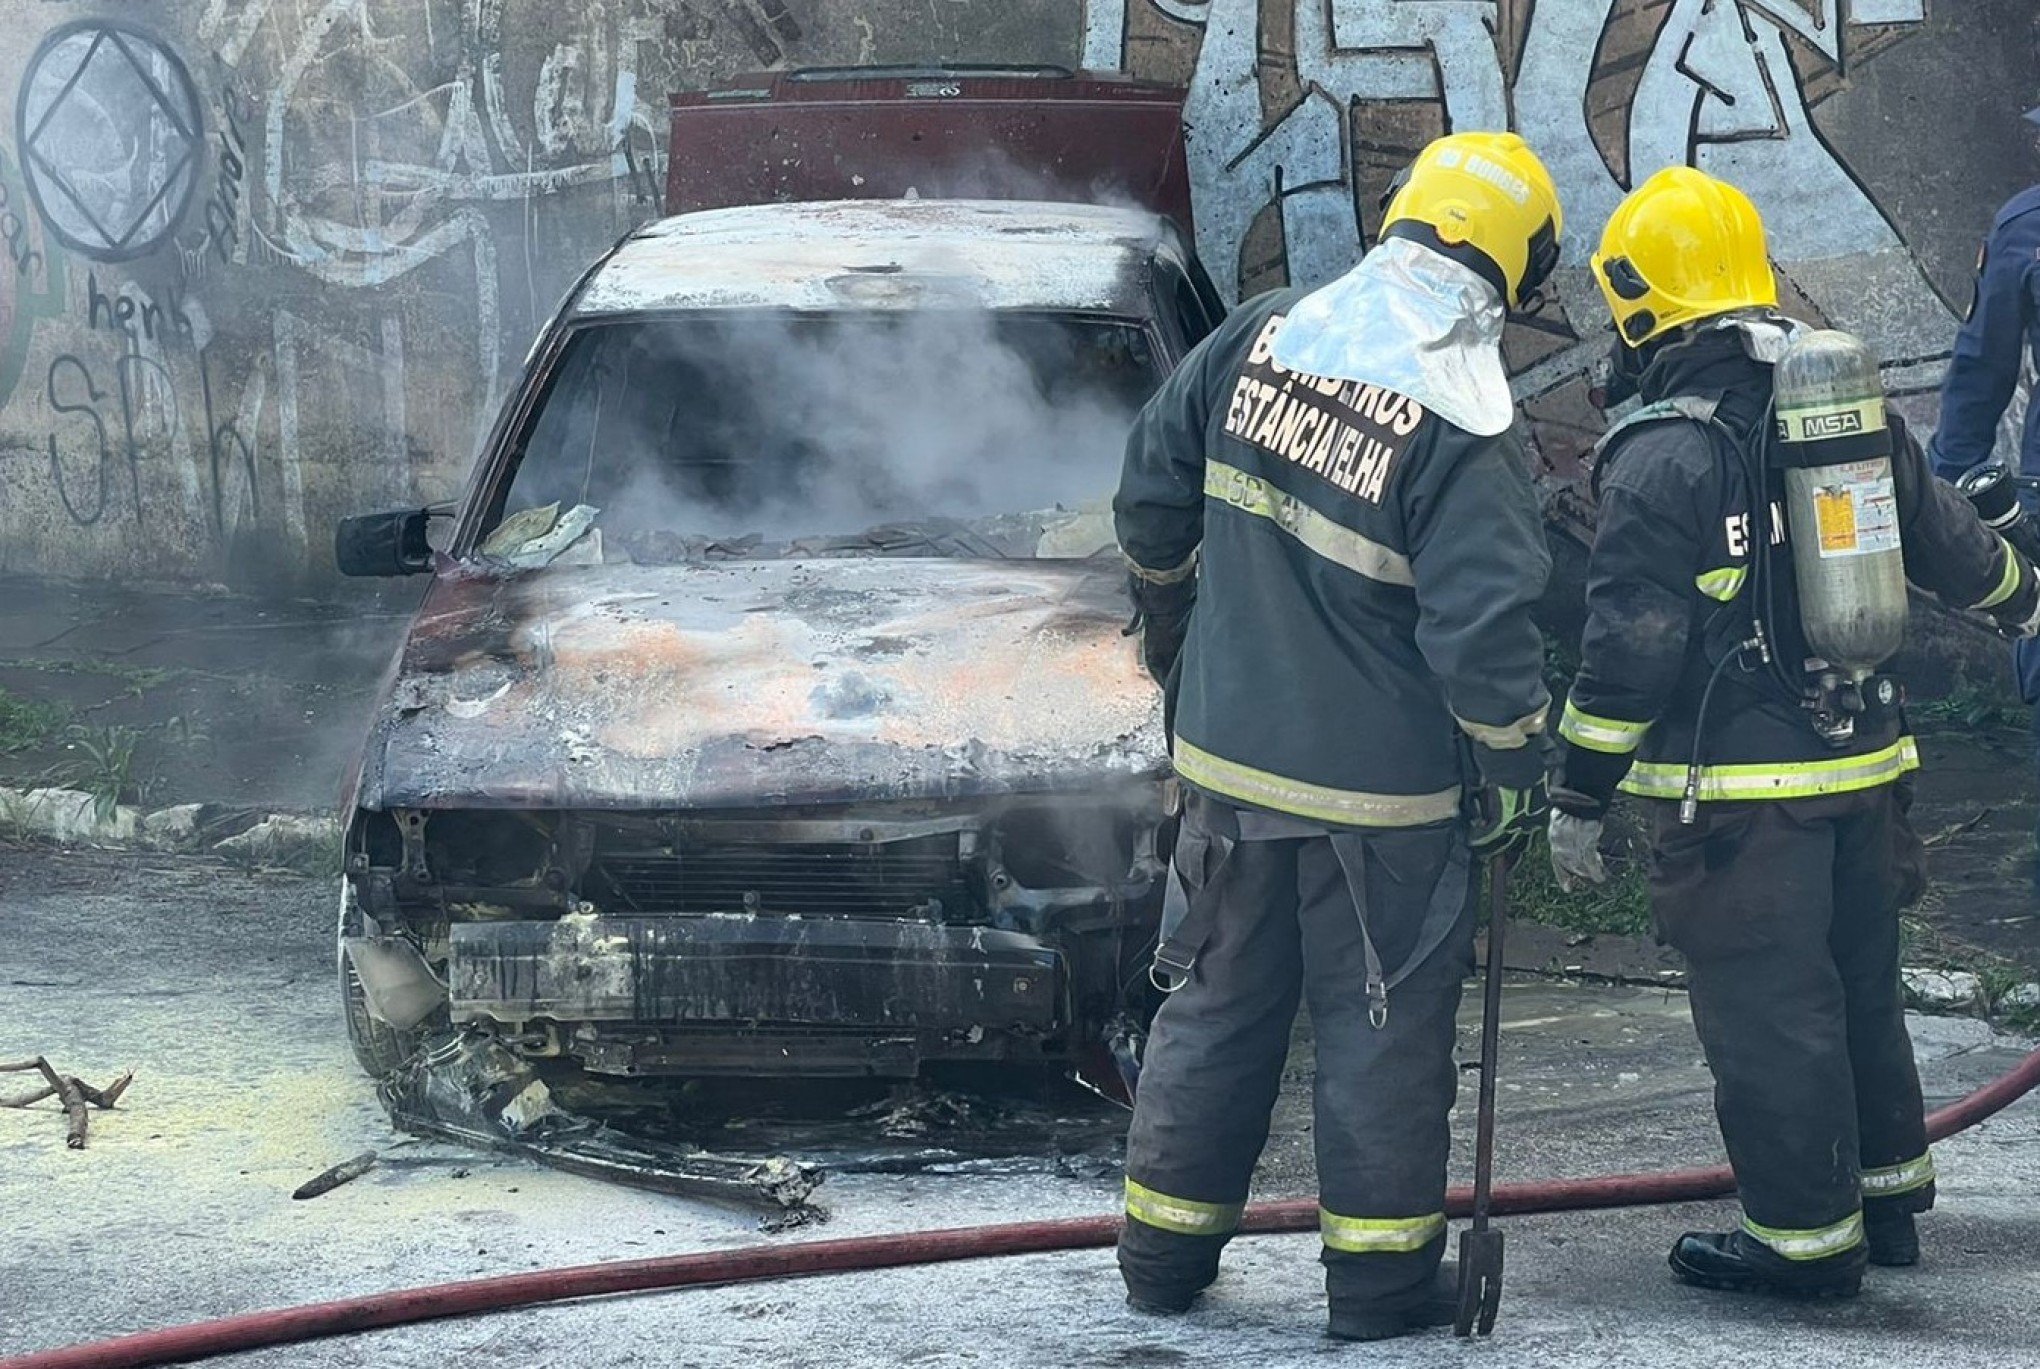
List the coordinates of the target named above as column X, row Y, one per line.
column 1484, row 200
column 1683, row 246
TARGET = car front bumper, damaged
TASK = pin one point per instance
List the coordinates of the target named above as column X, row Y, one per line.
column 806, row 944
column 750, row 994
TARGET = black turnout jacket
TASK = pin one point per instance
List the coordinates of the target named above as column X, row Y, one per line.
column 1361, row 640
column 1671, row 587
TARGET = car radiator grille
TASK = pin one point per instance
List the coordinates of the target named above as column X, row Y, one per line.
column 891, row 880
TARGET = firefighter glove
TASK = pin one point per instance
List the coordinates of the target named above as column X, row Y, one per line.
column 1576, row 852
column 1505, row 818
column 1161, row 615
column 2018, row 616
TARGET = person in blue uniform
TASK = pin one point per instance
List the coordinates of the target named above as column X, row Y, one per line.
column 2001, row 331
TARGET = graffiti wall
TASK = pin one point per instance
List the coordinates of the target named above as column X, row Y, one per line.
column 1827, row 111
column 270, row 262
column 264, row 263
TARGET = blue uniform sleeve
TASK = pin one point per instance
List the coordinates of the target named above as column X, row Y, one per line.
column 1990, row 349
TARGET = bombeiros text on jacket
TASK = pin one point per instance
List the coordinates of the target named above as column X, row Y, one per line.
column 1347, row 431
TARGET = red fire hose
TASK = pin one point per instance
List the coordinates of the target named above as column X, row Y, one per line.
column 295, row 1324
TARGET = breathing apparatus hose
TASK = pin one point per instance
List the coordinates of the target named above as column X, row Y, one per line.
column 1763, row 627
column 1689, row 797
column 1756, row 471
column 294, row 1325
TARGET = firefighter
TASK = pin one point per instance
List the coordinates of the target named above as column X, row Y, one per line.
column 2001, row 330
column 1782, row 878
column 1332, row 480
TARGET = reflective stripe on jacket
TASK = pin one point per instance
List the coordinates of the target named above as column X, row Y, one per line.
column 1671, row 587
column 1364, row 584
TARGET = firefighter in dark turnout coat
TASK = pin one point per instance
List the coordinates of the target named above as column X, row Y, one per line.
column 1783, row 890
column 1332, row 480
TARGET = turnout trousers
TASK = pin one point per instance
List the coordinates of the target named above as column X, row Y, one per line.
column 1282, row 903
column 1786, row 911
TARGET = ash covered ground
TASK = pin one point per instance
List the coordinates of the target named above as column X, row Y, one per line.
column 216, row 986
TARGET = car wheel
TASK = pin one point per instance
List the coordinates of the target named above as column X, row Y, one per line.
column 380, row 1048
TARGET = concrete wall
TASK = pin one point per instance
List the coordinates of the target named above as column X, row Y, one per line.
column 269, row 263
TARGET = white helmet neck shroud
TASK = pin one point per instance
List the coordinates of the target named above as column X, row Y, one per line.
column 1410, row 320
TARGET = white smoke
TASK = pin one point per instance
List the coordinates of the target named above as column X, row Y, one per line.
column 787, row 426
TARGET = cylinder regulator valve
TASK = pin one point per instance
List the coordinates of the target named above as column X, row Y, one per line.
column 1842, row 510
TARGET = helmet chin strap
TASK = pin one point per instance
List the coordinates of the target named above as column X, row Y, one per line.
column 1528, row 307
column 1618, row 376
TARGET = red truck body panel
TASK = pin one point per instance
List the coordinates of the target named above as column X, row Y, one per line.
column 975, row 133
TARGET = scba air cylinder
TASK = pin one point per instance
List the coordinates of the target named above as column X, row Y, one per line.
column 1840, row 503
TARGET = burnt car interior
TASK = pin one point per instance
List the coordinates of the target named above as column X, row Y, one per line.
column 760, row 434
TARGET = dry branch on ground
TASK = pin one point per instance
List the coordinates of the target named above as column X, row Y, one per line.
column 74, row 1093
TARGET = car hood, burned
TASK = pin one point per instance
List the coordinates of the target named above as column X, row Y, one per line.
column 739, row 684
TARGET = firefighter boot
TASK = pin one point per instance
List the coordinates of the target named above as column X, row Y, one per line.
column 1733, row 1262
column 1432, row 1304
column 1167, row 1300
column 1175, row 1274
column 1161, row 1302
column 1891, row 1236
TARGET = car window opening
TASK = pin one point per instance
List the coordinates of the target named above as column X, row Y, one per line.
column 769, row 434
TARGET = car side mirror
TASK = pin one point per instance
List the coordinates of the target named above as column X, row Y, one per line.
column 384, row 543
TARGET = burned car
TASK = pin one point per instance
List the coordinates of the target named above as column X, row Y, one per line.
column 769, row 711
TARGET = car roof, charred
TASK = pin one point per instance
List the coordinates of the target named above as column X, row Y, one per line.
column 884, row 254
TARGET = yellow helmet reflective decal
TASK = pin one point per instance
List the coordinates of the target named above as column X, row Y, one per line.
column 1486, row 201
column 1682, row 247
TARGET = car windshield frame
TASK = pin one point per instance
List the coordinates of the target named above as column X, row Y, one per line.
column 482, row 508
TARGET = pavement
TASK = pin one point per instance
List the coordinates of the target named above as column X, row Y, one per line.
column 215, row 984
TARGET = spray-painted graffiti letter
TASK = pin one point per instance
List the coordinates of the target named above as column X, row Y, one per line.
column 93, row 394
column 124, row 372
column 220, row 435
column 223, row 206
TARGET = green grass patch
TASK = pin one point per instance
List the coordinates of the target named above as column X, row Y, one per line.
column 1561, row 664
column 103, row 766
column 1968, row 707
column 1621, row 907
column 30, row 724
